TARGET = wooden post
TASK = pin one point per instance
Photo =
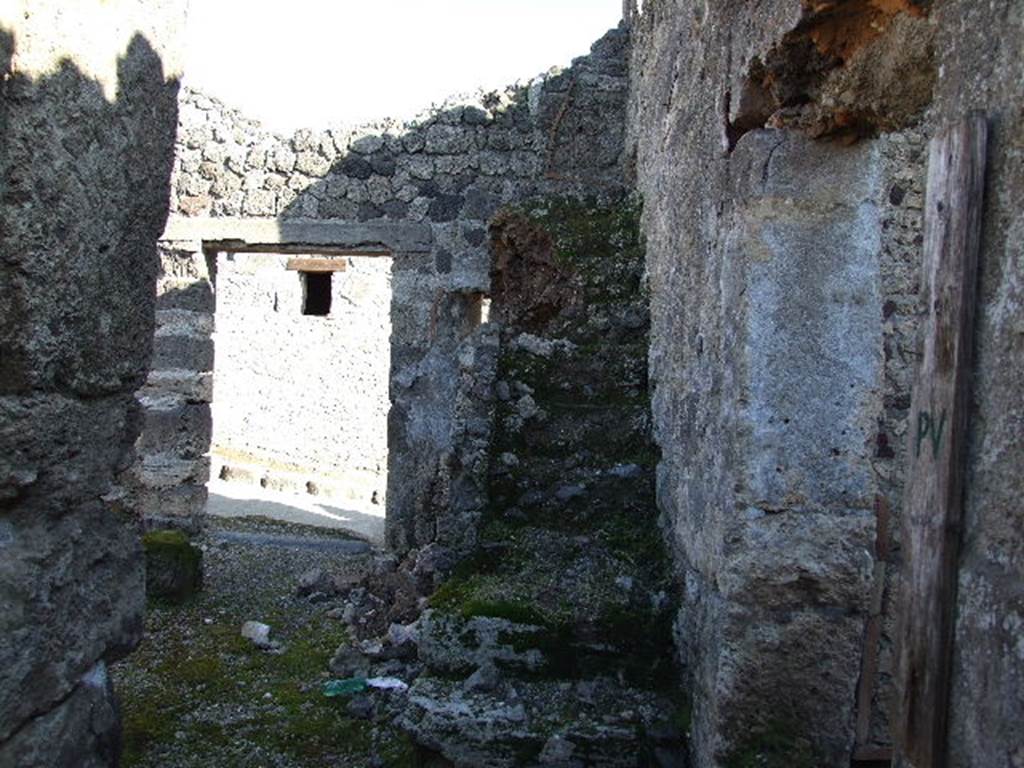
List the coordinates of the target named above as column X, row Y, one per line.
column 938, row 431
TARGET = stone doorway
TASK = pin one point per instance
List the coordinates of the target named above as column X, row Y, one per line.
column 301, row 369
column 272, row 371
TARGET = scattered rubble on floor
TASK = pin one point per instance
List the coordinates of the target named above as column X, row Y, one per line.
column 547, row 644
column 197, row 693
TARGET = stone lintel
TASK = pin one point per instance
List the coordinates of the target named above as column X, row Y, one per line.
column 320, row 235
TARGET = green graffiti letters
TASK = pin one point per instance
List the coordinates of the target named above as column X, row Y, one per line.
column 928, row 427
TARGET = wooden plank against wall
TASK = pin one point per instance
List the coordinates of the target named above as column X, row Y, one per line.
column 864, row 750
column 937, row 441
column 317, row 265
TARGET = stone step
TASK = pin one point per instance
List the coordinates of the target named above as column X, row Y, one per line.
column 167, row 470
column 536, row 490
column 182, row 350
column 172, row 425
column 192, row 386
column 185, row 293
column 180, row 506
column 179, row 321
column 498, row 722
column 621, row 642
column 542, row 600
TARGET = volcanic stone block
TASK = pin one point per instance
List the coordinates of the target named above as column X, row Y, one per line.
column 172, row 424
column 179, row 506
column 188, row 351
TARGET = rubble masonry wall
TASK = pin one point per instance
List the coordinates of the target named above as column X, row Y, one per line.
column 780, row 153
column 87, row 117
column 441, row 176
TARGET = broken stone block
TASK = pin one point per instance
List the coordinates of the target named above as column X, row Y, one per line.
column 258, row 633
column 497, row 729
column 318, row 582
column 403, row 639
column 453, row 645
column 349, row 661
column 314, row 580
column 486, row 679
column 174, row 568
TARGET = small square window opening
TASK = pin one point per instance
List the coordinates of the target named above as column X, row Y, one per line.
column 316, row 294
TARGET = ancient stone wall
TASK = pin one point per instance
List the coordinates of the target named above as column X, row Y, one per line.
column 167, row 482
column 783, row 274
column 325, row 377
column 87, row 118
column 443, row 175
column 565, row 605
column 780, row 152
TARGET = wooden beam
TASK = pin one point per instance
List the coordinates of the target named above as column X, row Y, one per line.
column 933, row 497
column 317, row 265
column 870, row 662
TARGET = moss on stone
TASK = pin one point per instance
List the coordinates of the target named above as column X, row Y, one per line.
column 587, row 230
column 164, row 538
column 212, row 668
column 512, row 610
column 775, row 745
column 558, row 564
column 174, row 568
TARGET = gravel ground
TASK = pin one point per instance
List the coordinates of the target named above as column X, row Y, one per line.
column 197, row 694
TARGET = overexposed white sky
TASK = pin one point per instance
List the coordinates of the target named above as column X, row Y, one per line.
column 319, row 62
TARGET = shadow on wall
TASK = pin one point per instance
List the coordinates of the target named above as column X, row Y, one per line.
column 83, row 174
column 85, row 188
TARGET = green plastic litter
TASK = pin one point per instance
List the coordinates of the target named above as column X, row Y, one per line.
column 345, row 687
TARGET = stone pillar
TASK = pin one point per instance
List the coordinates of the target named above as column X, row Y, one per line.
column 168, row 482
column 87, row 122
column 782, row 560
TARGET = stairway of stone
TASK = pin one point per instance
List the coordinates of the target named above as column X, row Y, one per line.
column 552, row 644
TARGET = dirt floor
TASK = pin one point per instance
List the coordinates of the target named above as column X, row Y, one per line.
column 196, row 694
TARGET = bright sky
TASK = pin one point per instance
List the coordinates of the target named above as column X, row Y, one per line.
column 317, row 62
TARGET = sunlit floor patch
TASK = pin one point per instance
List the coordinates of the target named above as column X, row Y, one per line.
column 243, row 500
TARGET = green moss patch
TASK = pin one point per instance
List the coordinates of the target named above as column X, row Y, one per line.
column 196, row 693
column 567, row 587
column 584, row 566
column 774, row 745
column 174, row 568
